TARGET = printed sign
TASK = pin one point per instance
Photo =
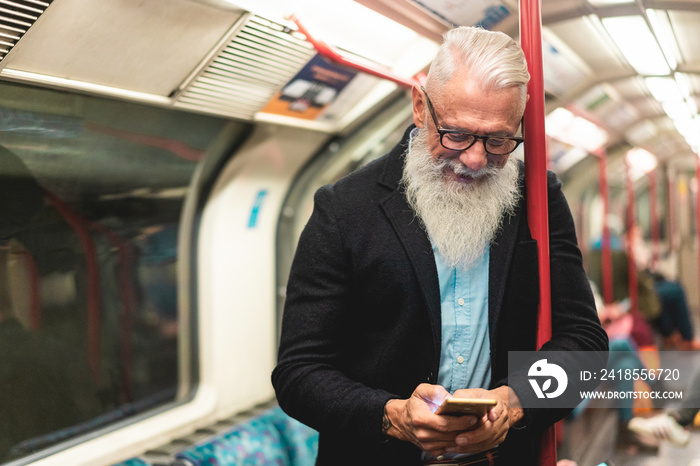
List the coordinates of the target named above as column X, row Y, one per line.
column 311, row 90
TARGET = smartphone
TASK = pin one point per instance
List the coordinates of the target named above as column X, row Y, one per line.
column 461, row 406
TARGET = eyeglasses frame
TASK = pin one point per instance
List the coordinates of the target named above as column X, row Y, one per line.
column 442, row 131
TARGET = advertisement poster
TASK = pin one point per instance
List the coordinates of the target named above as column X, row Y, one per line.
column 484, row 13
column 311, row 90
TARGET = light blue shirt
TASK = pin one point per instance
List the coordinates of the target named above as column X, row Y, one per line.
column 465, row 357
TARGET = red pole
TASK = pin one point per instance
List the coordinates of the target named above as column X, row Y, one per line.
column 671, row 206
column 605, row 243
column 92, row 265
column 697, row 204
column 631, row 264
column 536, row 182
column 654, row 215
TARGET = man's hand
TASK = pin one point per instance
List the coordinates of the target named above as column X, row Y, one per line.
column 414, row 420
column 493, row 427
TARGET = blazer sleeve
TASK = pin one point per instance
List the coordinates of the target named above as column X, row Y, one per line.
column 308, row 379
column 575, row 323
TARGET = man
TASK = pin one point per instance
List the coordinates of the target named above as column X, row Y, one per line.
column 417, row 274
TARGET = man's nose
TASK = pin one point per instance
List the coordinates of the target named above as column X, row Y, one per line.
column 475, row 157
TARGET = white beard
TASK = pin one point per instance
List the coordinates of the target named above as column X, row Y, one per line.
column 460, row 219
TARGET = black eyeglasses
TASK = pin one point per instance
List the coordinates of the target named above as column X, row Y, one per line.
column 462, row 140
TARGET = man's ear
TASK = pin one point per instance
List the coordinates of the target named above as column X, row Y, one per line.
column 418, row 106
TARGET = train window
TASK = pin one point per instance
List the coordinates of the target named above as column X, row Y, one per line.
column 91, row 202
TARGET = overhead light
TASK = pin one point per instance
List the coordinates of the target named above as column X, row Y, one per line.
column 688, row 126
column 690, row 129
column 664, row 89
column 661, row 25
column 641, row 160
column 636, row 42
column 683, row 83
column 676, row 110
column 693, row 141
column 564, row 126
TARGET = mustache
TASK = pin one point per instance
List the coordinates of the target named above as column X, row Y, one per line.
column 460, row 169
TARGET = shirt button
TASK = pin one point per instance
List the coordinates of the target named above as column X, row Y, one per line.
column 460, row 301
column 460, row 359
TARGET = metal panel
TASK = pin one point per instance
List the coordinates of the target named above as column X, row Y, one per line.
column 142, row 46
column 248, row 71
column 16, row 17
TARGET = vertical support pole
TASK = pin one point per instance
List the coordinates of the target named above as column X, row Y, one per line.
column 697, row 204
column 605, row 242
column 632, row 263
column 671, row 209
column 536, row 182
column 654, row 219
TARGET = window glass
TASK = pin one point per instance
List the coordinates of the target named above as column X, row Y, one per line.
column 91, row 195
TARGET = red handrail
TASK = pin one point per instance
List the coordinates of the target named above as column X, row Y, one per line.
column 93, row 282
column 654, row 219
column 631, row 262
column 605, row 242
column 536, row 181
column 366, row 66
column 697, row 203
column 671, row 208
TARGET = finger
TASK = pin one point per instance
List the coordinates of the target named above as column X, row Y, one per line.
column 496, row 412
column 457, row 423
column 488, row 433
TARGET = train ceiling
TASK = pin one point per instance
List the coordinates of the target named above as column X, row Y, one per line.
column 235, row 57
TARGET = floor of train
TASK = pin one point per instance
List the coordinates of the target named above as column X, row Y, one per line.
column 592, row 438
column 593, row 441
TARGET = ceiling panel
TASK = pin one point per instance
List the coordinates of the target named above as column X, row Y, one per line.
column 630, row 88
column 582, row 38
column 686, row 25
column 620, row 116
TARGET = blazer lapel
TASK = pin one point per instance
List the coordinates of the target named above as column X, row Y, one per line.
column 420, row 252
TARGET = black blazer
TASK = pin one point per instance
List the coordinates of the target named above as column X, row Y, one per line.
column 362, row 325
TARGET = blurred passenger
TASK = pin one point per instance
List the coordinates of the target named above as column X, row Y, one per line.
column 674, row 322
column 673, row 425
column 648, row 306
column 623, row 356
column 417, row 274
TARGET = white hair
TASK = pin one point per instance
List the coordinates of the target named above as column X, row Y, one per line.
column 491, row 58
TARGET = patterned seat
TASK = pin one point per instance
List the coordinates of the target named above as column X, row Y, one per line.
column 270, row 438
